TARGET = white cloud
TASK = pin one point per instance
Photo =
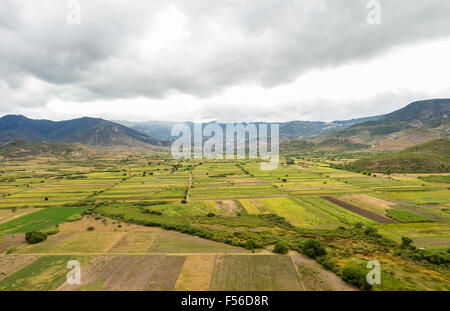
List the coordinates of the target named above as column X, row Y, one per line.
column 227, row 60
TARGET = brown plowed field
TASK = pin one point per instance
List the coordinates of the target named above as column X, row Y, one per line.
column 360, row 211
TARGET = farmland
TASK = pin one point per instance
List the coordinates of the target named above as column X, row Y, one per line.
column 142, row 221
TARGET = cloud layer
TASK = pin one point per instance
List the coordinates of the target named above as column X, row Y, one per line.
column 152, row 50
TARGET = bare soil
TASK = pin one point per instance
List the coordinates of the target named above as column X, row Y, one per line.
column 10, row 240
column 129, row 273
column 313, row 277
column 11, row 264
column 360, row 211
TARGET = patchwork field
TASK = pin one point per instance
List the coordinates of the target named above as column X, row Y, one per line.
column 149, row 222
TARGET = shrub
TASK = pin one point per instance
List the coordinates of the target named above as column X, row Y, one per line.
column 51, row 231
column 74, row 217
column 371, row 231
column 211, row 215
column 250, row 244
column 35, row 237
column 355, row 277
column 406, row 243
column 358, row 225
column 327, row 263
column 281, row 248
column 90, row 228
column 184, row 201
column 314, row 248
column 11, row 250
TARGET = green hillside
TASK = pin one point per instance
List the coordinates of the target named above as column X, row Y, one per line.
column 431, row 157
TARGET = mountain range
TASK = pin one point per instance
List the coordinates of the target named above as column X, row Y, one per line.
column 92, row 132
column 288, row 130
column 416, row 123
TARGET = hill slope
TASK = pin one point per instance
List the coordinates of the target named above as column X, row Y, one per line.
column 90, row 131
column 431, row 157
column 21, row 148
column 414, row 124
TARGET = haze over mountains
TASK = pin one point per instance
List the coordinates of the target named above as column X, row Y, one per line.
column 416, row 123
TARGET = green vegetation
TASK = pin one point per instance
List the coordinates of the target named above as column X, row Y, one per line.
column 233, row 207
column 314, row 248
column 405, row 216
column 35, row 237
column 74, row 217
column 355, row 277
column 281, row 248
column 436, row 178
column 40, row 220
column 431, row 157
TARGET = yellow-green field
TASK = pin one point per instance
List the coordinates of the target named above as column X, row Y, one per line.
column 149, row 222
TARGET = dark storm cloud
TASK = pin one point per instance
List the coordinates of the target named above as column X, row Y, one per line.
column 125, row 49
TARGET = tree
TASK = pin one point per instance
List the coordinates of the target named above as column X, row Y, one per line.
column 314, row 248
column 35, row 237
column 281, row 248
column 406, row 243
column 355, row 277
column 250, row 244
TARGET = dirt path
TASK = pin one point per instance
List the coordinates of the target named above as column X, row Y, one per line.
column 360, row 211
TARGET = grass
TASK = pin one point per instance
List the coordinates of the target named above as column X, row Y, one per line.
column 255, row 273
column 247, row 203
column 40, row 220
column 405, row 216
column 79, row 242
column 173, row 242
column 421, row 197
column 44, row 274
column 197, row 273
column 436, row 178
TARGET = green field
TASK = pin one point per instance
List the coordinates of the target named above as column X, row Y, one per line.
column 226, row 215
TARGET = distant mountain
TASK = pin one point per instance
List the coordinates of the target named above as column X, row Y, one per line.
column 93, row 132
column 288, row 130
column 431, row 157
column 414, row 124
column 21, row 148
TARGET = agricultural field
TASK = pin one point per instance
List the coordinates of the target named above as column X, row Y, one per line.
column 149, row 222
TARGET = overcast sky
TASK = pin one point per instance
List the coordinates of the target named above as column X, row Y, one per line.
column 229, row 60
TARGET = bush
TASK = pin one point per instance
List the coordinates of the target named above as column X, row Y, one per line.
column 184, row 201
column 250, row 244
column 90, row 228
column 355, row 277
column 327, row 263
column 51, row 231
column 371, row 231
column 314, row 248
column 281, row 248
column 11, row 250
column 74, row 217
column 211, row 215
column 358, row 225
column 406, row 243
column 35, row 237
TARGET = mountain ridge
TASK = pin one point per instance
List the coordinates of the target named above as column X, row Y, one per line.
column 94, row 132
